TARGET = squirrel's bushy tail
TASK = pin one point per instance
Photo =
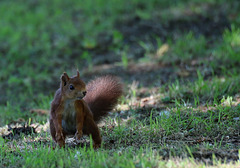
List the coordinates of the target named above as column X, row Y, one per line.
column 102, row 95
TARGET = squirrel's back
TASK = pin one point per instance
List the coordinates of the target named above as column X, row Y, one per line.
column 102, row 95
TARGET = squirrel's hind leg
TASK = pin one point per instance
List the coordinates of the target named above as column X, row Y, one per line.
column 91, row 128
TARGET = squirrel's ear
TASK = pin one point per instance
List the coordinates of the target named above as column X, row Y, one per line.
column 78, row 75
column 64, row 78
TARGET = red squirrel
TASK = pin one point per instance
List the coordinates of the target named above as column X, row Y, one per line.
column 77, row 107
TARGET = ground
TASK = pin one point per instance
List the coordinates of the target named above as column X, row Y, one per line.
column 179, row 62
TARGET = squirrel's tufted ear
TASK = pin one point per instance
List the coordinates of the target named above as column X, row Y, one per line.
column 78, row 75
column 64, row 78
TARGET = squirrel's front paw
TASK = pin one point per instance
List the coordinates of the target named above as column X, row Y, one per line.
column 78, row 135
column 59, row 136
column 96, row 146
column 61, row 143
column 60, row 139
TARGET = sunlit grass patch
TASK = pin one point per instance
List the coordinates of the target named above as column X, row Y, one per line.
column 227, row 53
column 185, row 48
column 202, row 90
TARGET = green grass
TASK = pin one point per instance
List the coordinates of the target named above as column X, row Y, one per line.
column 181, row 105
column 185, row 48
column 134, row 143
column 80, row 157
column 229, row 51
column 206, row 91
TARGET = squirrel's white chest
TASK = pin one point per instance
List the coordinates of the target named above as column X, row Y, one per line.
column 69, row 117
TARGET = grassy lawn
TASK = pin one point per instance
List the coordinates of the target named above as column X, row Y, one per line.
column 179, row 62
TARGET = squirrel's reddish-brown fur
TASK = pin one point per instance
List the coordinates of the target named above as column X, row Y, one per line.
column 74, row 113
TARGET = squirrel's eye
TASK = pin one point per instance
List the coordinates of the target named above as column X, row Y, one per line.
column 71, row 87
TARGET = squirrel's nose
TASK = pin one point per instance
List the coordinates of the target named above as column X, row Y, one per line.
column 84, row 93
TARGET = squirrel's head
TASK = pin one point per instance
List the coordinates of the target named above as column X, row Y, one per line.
column 72, row 88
